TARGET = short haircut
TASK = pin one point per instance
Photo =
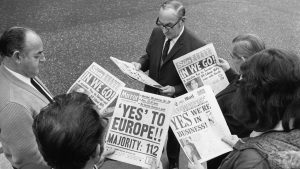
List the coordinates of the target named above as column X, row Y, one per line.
column 68, row 131
column 176, row 5
column 11, row 40
column 270, row 83
column 247, row 44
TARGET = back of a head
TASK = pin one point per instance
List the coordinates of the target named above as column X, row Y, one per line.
column 246, row 45
column 270, row 82
column 176, row 5
column 68, row 131
column 12, row 39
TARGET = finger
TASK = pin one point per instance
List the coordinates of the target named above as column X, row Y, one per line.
column 230, row 140
column 108, row 152
column 190, row 165
column 221, row 60
column 103, row 156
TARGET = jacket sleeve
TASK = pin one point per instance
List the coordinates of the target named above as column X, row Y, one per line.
column 250, row 159
column 19, row 140
column 231, row 75
column 145, row 60
column 179, row 90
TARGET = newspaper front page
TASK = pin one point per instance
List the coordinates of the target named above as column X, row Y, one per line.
column 199, row 125
column 100, row 85
column 128, row 69
column 199, row 68
column 138, row 127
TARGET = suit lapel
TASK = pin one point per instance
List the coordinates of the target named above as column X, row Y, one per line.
column 44, row 88
column 178, row 45
column 23, row 85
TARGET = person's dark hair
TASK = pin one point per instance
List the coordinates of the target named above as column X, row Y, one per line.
column 270, row 82
column 291, row 117
column 11, row 40
column 68, row 131
column 176, row 5
column 247, row 44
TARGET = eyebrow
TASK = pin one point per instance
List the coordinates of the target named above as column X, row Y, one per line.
column 40, row 52
column 166, row 24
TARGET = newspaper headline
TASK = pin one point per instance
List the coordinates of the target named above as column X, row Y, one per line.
column 138, row 127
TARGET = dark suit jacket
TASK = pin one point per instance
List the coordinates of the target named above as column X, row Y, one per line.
column 225, row 100
column 166, row 73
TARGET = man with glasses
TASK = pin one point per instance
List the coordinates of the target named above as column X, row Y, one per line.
column 168, row 41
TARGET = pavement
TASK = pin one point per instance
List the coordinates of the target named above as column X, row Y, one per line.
column 79, row 32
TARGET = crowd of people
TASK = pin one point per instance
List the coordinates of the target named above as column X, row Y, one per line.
column 260, row 104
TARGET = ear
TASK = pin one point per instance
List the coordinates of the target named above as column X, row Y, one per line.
column 16, row 56
column 183, row 19
column 96, row 154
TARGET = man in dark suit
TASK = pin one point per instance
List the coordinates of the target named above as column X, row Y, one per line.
column 22, row 96
column 168, row 41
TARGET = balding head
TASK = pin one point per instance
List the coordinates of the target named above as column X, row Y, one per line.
column 22, row 50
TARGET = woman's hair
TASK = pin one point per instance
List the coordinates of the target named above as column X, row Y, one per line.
column 246, row 45
column 68, row 131
column 270, row 83
column 291, row 117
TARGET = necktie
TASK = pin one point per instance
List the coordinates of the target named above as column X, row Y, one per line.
column 40, row 88
column 166, row 49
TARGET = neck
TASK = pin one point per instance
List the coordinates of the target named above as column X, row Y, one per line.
column 9, row 63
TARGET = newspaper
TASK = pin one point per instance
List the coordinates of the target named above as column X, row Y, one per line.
column 129, row 69
column 199, row 125
column 100, row 85
column 138, row 127
column 199, row 68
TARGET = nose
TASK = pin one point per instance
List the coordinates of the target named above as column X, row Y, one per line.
column 165, row 30
column 42, row 58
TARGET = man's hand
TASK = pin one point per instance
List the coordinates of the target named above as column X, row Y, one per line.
column 231, row 140
column 167, row 90
column 195, row 164
column 136, row 65
column 155, row 165
column 223, row 64
column 106, row 152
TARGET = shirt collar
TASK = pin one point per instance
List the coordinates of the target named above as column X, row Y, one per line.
column 19, row 76
column 278, row 127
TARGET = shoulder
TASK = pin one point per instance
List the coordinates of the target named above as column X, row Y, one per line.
column 245, row 159
column 192, row 38
column 250, row 154
column 13, row 114
column 157, row 32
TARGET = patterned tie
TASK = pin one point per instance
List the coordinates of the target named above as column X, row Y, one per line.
column 40, row 88
column 166, row 49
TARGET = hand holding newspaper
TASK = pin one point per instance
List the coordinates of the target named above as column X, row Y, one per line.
column 128, row 69
column 199, row 125
column 139, row 127
column 100, row 85
column 199, row 68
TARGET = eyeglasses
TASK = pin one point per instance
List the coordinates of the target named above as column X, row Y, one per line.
column 233, row 56
column 167, row 26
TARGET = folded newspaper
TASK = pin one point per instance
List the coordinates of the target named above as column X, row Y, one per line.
column 199, row 125
column 138, row 127
column 100, row 85
column 199, row 68
column 129, row 69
